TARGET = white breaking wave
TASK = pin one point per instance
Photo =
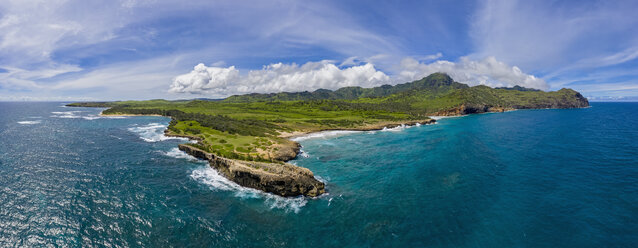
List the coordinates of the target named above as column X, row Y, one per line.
column 90, row 117
column 152, row 132
column 177, row 153
column 215, row 181
column 66, row 114
column 445, row 117
column 395, row 129
column 324, row 134
column 303, row 153
column 337, row 133
column 95, row 117
column 321, row 179
column 28, row 122
column 77, row 115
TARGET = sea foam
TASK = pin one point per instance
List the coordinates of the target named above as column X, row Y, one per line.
column 28, row 122
column 177, row 153
column 77, row 115
column 215, row 181
column 66, row 114
column 152, row 132
column 395, row 129
column 324, row 134
column 210, row 177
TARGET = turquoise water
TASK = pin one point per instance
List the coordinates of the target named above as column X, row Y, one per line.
column 533, row 178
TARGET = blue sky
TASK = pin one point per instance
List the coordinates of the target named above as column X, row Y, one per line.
column 118, row 50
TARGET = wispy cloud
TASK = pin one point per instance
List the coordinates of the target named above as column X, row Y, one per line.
column 544, row 35
column 110, row 48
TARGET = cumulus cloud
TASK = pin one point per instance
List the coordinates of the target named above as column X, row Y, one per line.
column 277, row 77
column 488, row 71
column 205, row 79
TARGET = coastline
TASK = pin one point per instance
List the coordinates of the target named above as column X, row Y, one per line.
column 371, row 127
column 285, row 179
column 127, row 115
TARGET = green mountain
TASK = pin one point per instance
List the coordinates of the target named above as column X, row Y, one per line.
column 436, row 82
column 246, row 137
column 437, row 93
column 250, row 126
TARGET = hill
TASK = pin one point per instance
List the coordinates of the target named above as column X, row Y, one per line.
column 439, row 82
column 255, row 128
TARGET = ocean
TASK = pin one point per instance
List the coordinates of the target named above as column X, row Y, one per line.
column 527, row 178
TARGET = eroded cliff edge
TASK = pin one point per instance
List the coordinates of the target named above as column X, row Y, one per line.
column 561, row 99
column 282, row 179
column 279, row 178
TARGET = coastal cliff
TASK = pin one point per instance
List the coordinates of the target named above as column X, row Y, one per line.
column 484, row 102
column 247, row 138
column 281, row 179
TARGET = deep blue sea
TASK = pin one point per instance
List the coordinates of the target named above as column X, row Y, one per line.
column 529, row 178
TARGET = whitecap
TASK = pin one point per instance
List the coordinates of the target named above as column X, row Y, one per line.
column 66, row 114
column 445, row 117
column 324, row 134
column 177, row 153
column 303, row 153
column 28, row 122
column 321, row 179
column 395, row 129
column 215, row 181
column 152, row 132
column 91, row 117
column 95, row 117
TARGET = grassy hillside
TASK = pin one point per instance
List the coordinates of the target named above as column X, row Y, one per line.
column 438, row 82
column 250, row 127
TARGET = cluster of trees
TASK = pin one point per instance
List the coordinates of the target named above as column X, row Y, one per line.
column 91, row 104
column 339, row 105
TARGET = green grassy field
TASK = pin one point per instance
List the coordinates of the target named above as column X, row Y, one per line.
column 253, row 127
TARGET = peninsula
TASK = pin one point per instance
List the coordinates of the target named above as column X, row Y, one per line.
column 246, row 137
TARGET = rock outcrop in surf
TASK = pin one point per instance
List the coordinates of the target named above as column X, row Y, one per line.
column 282, row 179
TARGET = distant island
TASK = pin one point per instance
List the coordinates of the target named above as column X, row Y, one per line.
column 247, row 137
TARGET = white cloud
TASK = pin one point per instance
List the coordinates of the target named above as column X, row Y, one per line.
column 277, row 77
column 29, row 37
column 488, row 71
column 20, row 79
column 205, row 79
column 431, row 57
column 34, row 45
column 548, row 35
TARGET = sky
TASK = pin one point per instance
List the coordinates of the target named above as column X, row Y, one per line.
column 67, row 50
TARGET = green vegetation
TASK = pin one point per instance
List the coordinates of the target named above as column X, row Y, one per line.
column 250, row 127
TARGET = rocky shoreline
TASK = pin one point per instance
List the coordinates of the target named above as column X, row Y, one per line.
column 282, row 179
column 286, row 179
column 372, row 127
